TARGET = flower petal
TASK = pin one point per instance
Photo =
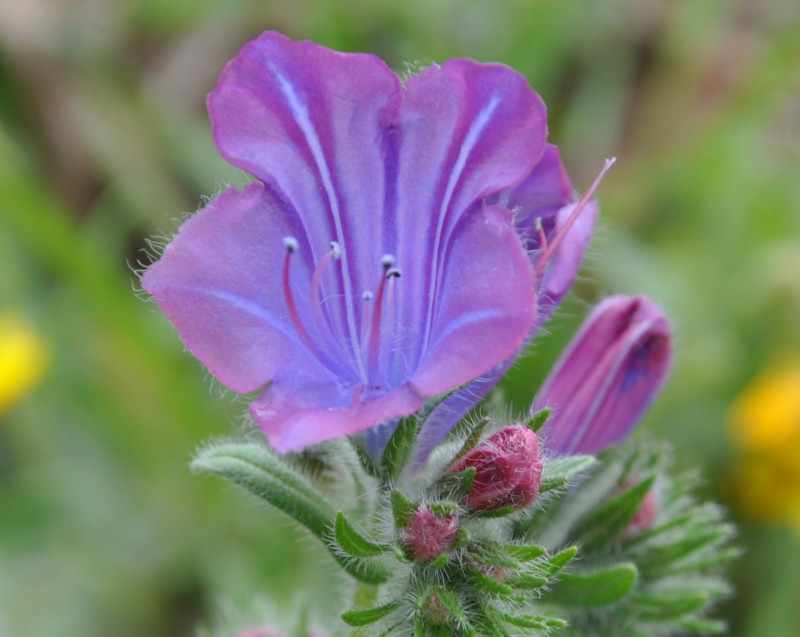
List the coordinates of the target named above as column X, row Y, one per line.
column 219, row 282
column 316, row 127
column 468, row 131
column 295, row 414
column 486, row 306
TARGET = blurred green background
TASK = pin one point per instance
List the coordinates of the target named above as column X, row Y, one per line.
column 104, row 141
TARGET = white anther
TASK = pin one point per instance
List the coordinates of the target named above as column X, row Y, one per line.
column 366, row 296
column 387, row 261
column 393, row 272
column 291, row 244
column 336, row 250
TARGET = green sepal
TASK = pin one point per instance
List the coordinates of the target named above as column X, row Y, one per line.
column 661, row 559
column 703, row 626
column 366, row 461
column 537, row 623
column 493, row 554
column 667, row 605
column 559, row 472
column 538, row 420
column 494, row 513
column 265, row 474
column 368, row 615
column 527, row 581
column 605, row 524
column 440, row 562
column 524, row 552
column 486, row 583
column 419, row 627
column 351, row 542
column 363, row 569
column 489, row 622
column 472, row 440
column 443, row 508
column 558, row 561
column 456, row 485
column 403, row 509
column 398, row 448
column 596, row 588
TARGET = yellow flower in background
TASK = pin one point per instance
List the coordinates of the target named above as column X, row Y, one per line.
column 764, row 424
column 23, row 359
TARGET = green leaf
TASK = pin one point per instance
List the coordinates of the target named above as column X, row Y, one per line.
column 558, row 473
column 368, row 615
column 267, row 475
column 403, row 509
column 596, row 588
column 606, row 523
column 538, row 420
column 398, row 449
column 351, row 542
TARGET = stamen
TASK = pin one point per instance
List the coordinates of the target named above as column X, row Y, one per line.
column 316, row 279
column 391, row 276
column 387, row 261
column 366, row 297
column 292, row 246
column 550, row 250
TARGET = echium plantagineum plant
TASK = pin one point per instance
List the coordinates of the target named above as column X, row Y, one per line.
column 400, row 244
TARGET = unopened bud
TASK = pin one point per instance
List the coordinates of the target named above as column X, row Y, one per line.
column 508, row 470
column 429, row 535
column 607, row 378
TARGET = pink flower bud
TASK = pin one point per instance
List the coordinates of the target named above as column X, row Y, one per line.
column 429, row 535
column 607, row 378
column 508, row 470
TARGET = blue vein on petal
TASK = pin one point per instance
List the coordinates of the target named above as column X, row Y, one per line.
column 304, row 122
column 470, row 140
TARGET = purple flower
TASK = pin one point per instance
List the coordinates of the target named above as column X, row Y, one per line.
column 607, row 378
column 379, row 257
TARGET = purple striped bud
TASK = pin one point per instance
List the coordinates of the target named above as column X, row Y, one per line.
column 508, row 470
column 607, row 377
column 429, row 535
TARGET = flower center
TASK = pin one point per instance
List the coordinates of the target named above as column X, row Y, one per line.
column 377, row 315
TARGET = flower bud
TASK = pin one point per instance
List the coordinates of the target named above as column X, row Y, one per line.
column 608, row 376
column 508, row 470
column 429, row 535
